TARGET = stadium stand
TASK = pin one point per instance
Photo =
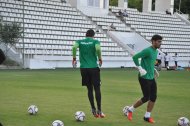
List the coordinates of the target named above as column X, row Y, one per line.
column 106, row 21
column 51, row 27
column 175, row 32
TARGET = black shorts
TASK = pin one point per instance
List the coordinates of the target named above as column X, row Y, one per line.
column 90, row 76
column 149, row 89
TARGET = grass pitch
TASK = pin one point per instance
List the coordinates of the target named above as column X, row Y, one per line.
column 59, row 94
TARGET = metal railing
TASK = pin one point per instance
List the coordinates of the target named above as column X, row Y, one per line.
column 178, row 11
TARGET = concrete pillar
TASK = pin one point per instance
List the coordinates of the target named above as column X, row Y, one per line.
column 123, row 3
column 147, row 5
column 73, row 3
column 163, row 5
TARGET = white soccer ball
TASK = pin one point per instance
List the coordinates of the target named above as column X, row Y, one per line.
column 57, row 123
column 80, row 116
column 183, row 121
column 125, row 112
column 32, row 110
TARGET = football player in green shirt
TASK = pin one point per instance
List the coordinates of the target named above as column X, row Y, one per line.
column 89, row 50
column 147, row 74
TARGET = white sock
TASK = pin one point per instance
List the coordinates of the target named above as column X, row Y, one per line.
column 147, row 115
column 132, row 109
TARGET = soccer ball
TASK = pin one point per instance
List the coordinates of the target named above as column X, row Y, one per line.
column 32, row 110
column 80, row 116
column 125, row 110
column 183, row 121
column 57, row 123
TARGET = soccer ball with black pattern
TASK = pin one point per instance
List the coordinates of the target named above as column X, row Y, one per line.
column 125, row 110
column 57, row 123
column 32, row 110
column 80, row 116
column 183, row 121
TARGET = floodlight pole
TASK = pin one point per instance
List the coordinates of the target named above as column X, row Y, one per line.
column 23, row 46
column 179, row 6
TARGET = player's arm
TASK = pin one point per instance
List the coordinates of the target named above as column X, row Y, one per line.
column 74, row 53
column 156, row 74
column 142, row 54
column 99, row 53
column 136, row 57
column 74, row 49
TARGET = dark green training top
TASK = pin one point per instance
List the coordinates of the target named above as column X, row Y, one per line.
column 89, row 49
column 148, row 58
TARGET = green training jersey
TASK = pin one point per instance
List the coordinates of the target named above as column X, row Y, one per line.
column 148, row 58
column 88, row 52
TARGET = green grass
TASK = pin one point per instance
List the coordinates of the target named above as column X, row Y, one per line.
column 59, row 94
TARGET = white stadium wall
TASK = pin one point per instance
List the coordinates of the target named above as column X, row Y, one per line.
column 131, row 38
column 91, row 7
column 163, row 5
column 160, row 5
column 147, row 5
column 123, row 3
column 52, row 62
column 73, row 2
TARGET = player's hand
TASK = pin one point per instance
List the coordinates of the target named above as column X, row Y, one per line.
column 156, row 74
column 74, row 63
column 100, row 62
column 142, row 71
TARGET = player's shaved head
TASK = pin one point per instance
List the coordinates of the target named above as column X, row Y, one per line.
column 90, row 33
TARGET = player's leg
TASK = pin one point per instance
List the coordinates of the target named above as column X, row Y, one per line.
column 138, row 103
column 98, row 97
column 153, row 95
column 2, row 56
column 87, row 82
column 167, row 64
column 160, row 64
column 151, row 103
column 145, row 87
column 150, row 107
column 176, row 63
column 91, row 96
column 91, row 99
column 97, row 84
column 98, row 100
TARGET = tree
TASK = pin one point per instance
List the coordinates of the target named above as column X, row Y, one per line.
column 10, row 33
column 131, row 3
column 113, row 2
column 184, row 6
column 135, row 4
